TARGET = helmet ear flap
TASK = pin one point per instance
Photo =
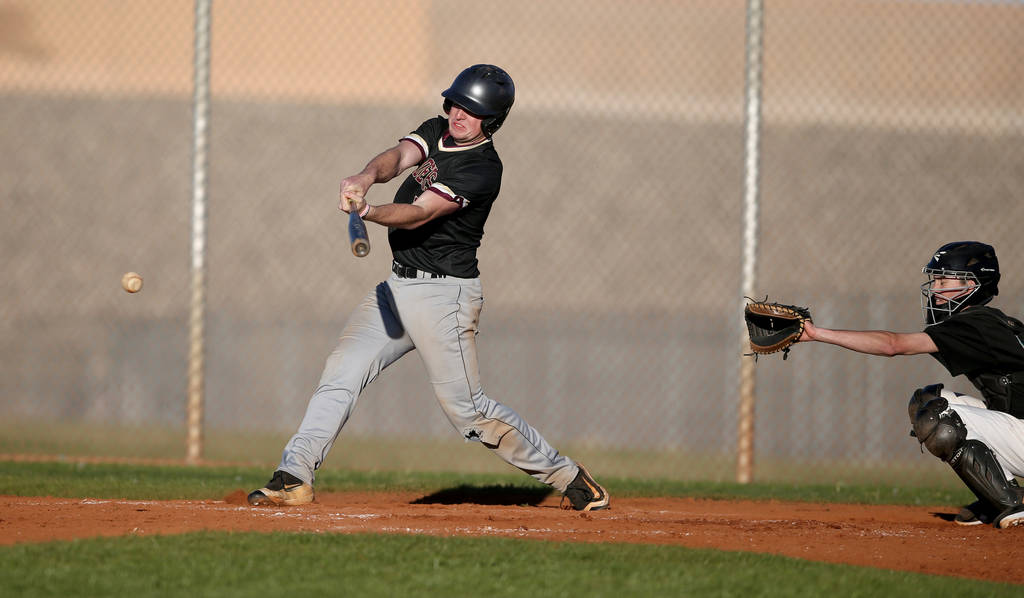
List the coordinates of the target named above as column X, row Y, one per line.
column 447, row 106
column 491, row 124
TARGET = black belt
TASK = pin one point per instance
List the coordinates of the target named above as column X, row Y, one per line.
column 410, row 272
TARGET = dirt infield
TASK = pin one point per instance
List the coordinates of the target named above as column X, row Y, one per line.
column 919, row 539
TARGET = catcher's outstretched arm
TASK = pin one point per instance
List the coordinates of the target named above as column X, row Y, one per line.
column 872, row 342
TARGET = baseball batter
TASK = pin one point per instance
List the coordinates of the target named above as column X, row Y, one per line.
column 981, row 439
column 432, row 300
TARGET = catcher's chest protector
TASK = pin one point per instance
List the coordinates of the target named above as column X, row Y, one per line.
column 1004, row 392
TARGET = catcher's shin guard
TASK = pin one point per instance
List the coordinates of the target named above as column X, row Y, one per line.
column 976, row 465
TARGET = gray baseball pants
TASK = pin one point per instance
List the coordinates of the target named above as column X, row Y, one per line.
column 438, row 317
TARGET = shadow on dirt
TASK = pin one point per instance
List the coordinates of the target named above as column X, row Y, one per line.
column 486, row 495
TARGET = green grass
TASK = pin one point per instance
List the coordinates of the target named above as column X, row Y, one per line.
column 263, row 448
column 249, row 564
column 141, row 482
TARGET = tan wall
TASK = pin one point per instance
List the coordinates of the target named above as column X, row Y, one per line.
column 876, row 61
column 687, row 61
column 100, row 46
column 322, row 50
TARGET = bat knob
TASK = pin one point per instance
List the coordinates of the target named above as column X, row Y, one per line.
column 360, row 248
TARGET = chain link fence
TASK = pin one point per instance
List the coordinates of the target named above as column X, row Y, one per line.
column 611, row 263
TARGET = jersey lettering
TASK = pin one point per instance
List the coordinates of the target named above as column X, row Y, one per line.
column 426, row 175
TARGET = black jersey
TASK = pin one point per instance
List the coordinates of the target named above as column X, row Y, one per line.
column 469, row 175
column 987, row 346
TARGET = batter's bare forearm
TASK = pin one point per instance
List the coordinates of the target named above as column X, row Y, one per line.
column 398, row 215
column 384, row 166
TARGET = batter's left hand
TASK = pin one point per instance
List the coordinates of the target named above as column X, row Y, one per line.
column 351, row 194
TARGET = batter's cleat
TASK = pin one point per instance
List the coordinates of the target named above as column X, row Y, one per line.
column 282, row 489
column 585, row 494
column 1011, row 517
column 976, row 513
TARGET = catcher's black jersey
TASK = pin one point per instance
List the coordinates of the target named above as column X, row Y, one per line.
column 987, row 346
column 468, row 175
column 977, row 339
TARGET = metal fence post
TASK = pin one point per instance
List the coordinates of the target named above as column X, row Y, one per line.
column 745, row 431
column 201, row 107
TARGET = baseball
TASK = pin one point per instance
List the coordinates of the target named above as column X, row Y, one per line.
column 131, row 282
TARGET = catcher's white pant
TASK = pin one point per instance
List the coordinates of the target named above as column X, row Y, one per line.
column 1001, row 432
column 438, row 317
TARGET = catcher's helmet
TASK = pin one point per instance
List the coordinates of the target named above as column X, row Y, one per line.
column 967, row 261
column 484, row 90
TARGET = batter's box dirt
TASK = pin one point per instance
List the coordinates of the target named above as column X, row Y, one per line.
column 919, row 539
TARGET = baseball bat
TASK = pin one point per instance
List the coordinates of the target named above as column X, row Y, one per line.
column 357, row 234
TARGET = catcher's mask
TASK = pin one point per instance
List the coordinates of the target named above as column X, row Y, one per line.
column 965, row 261
column 485, row 91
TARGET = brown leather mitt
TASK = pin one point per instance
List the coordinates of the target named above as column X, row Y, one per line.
column 773, row 327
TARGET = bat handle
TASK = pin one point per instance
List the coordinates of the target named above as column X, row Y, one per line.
column 357, row 234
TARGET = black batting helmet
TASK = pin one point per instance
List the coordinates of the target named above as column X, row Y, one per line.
column 484, row 90
column 965, row 261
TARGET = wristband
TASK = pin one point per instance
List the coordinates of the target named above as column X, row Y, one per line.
column 365, row 211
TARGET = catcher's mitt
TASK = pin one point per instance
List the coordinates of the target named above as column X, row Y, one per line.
column 774, row 327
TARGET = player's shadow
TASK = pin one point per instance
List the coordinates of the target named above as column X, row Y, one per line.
column 944, row 516
column 486, row 495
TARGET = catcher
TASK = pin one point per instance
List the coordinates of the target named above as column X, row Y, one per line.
column 981, row 439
